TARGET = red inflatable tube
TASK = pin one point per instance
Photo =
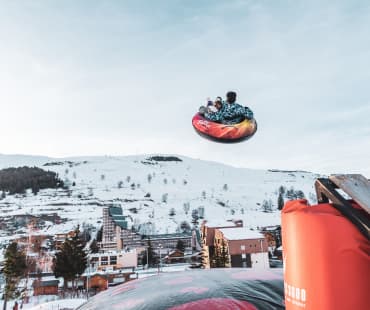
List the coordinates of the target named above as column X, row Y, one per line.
column 222, row 132
column 326, row 259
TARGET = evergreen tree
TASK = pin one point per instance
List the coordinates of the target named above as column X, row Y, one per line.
column 185, row 227
column 299, row 194
column 17, row 180
column 70, row 262
column 99, row 235
column 165, row 198
column 267, row 206
column 180, row 246
column 280, row 201
column 90, row 192
column 204, row 194
column 282, row 190
column 186, row 207
column 195, row 215
column 290, row 193
column 15, row 268
column 3, row 195
column 35, row 188
column 172, row 212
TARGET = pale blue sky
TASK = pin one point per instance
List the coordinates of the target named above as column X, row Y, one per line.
column 125, row 77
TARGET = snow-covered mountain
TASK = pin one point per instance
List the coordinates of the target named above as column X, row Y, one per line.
column 157, row 193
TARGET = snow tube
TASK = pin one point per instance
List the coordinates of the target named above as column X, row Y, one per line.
column 326, row 259
column 228, row 288
column 223, row 132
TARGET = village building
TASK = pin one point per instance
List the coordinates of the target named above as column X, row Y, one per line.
column 113, row 260
column 98, row 282
column 45, row 287
column 116, row 235
column 207, row 236
column 166, row 243
column 60, row 238
column 175, row 256
column 273, row 237
column 245, row 247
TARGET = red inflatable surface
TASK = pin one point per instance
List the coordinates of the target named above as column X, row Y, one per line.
column 326, row 259
column 214, row 289
column 222, row 132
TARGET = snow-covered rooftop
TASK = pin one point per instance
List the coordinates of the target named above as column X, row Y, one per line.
column 240, row 233
column 110, row 253
column 219, row 223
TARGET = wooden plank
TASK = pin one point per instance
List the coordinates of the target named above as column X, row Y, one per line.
column 356, row 186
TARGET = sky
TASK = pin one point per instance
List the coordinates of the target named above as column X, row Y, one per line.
column 125, row 77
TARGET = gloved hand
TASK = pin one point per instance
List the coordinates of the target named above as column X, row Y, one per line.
column 202, row 110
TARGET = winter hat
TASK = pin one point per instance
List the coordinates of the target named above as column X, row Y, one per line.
column 231, row 96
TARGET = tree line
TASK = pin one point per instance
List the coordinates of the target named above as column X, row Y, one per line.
column 18, row 180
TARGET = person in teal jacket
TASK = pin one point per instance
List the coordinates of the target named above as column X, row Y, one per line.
column 230, row 113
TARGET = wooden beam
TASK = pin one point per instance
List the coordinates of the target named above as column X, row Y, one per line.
column 326, row 192
column 356, row 186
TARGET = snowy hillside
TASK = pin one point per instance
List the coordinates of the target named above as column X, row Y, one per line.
column 156, row 195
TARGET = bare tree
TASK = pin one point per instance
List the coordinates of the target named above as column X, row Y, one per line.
column 165, row 198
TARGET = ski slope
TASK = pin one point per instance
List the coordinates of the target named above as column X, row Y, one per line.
column 155, row 195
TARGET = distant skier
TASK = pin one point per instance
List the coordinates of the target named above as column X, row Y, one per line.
column 230, row 112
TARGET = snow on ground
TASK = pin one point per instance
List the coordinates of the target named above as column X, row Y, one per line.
column 149, row 190
column 44, row 303
column 51, row 302
column 59, row 304
column 143, row 273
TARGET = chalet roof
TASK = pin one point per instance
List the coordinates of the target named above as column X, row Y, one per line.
column 218, row 223
column 241, row 233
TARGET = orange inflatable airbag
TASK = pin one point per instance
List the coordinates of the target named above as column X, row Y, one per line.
column 326, row 259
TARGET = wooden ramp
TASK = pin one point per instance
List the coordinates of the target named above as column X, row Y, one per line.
column 356, row 186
